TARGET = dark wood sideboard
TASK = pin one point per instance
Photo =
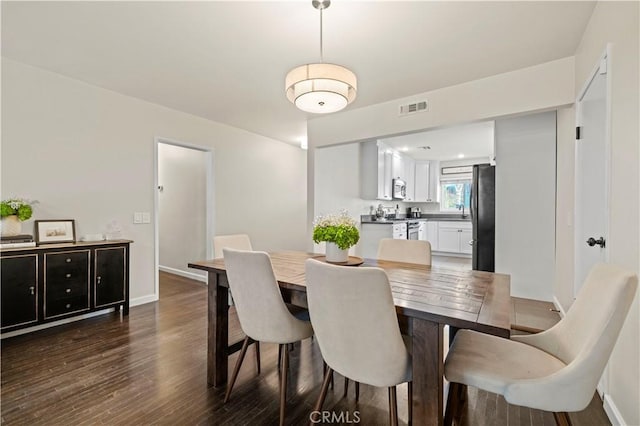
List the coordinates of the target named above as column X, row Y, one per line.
column 57, row 281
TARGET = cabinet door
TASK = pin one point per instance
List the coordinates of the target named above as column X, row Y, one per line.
column 66, row 282
column 449, row 240
column 410, row 177
column 432, row 234
column 397, row 167
column 465, row 237
column 422, row 181
column 110, row 273
column 434, row 181
column 19, row 289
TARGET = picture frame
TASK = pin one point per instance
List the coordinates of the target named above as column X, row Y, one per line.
column 55, row 231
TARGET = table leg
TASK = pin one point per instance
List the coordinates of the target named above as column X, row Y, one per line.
column 217, row 332
column 428, row 372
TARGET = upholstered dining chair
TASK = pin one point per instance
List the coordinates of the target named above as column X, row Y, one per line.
column 263, row 314
column 235, row 241
column 355, row 324
column 407, row 251
column 556, row 370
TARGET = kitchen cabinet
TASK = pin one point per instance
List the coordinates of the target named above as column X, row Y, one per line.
column 51, row 282
column 372, row 233
column 426, row 181
column 431, row 234
column 375, row 171
column 19, row 289
column 397, row 166
column 454, row 237
column 410, row 178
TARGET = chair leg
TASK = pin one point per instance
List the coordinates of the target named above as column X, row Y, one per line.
column 283, row 382
column 257, row 345
column 236, row 368
column 323, row 391
column 324, row 370
column 410, row 400
column 562, row 418
column 393, row 406
column 346, row 387
column 453, row 402
column 357, row 391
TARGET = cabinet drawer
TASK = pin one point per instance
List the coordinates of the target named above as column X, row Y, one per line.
column 66, row 305
column 67, row 268
column 57, row 290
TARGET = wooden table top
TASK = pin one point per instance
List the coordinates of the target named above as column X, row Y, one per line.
column 464, row 299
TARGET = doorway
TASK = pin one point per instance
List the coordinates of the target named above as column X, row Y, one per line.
column 183, row 204
column 592, row 172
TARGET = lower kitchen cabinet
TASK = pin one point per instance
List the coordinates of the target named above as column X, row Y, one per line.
column 52, row 282
column 372, row 233
column 454, row 237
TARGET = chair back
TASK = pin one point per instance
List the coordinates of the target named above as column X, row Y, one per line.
column 407, row 251
column 235, row 241
column 355, row 322
column 585, row 337
column 262, row 313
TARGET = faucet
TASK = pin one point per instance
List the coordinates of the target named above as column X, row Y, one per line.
column 461, row 207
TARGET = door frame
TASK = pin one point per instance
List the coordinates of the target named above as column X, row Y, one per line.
column 605, row 58
column 209, row 208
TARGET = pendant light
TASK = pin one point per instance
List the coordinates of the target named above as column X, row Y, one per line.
column 321, row 88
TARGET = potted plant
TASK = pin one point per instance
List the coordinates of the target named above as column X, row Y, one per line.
column 14, row 211
column 339, row 232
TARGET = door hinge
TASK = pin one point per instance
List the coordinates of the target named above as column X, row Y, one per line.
column 578, row 130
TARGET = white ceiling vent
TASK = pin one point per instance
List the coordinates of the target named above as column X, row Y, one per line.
column 413, row 108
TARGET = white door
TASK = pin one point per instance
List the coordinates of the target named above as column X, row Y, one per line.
column 592, row 175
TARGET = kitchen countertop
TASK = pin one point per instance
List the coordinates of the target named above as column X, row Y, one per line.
column 440, row 217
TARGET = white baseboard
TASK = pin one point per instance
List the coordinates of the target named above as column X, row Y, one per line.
column 142, row 300
column 612, row 411
column 191, row 275
column 559, row 307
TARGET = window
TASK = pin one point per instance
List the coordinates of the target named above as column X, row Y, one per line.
column 455, row 194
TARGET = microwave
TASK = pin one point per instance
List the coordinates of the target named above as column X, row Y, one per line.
column 399, row 189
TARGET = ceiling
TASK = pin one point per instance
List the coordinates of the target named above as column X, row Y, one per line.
column 226, row 61
column 473, row 140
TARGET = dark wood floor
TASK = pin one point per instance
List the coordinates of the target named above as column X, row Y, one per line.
column 149, row 368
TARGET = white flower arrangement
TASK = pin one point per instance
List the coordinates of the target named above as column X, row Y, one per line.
column 340, row 229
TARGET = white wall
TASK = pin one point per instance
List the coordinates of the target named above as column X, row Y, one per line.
column 618, row 23
column 525, row 203
column 87, row 153
column 539, row 87
column 182, row 203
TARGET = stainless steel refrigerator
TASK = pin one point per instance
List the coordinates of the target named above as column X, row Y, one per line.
column 483, row 217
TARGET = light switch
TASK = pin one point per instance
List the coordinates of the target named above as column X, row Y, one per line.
column 137, row 217
column 146, row 217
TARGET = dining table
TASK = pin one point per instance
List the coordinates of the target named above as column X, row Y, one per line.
column 427, row 299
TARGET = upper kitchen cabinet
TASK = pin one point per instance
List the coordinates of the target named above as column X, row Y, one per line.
column 410, row 178
column 397, row 166
column 426, row 181
column 376, row 162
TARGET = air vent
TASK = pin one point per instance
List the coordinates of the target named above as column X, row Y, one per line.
column 424, row 147
column 413, row 108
